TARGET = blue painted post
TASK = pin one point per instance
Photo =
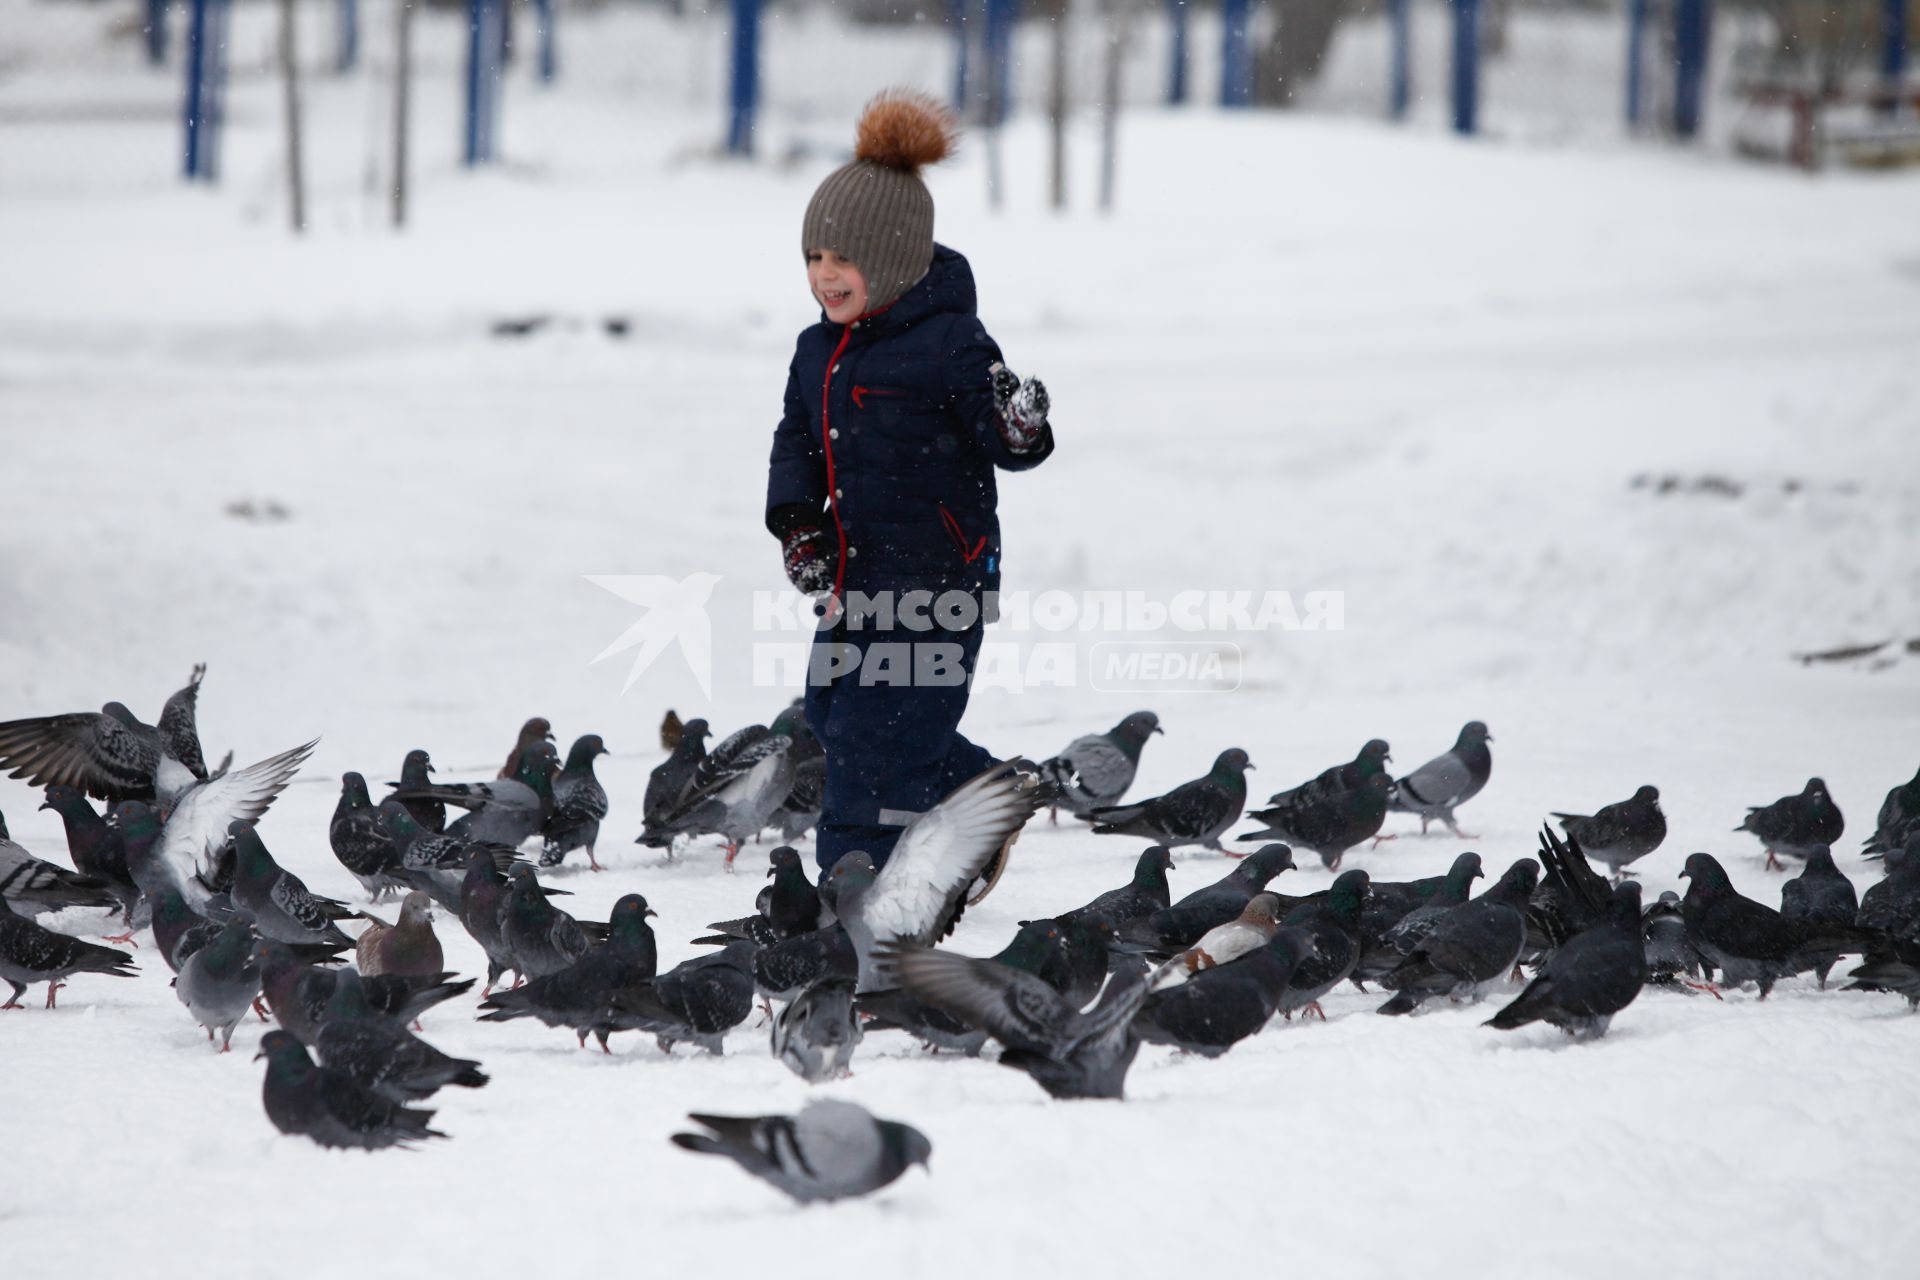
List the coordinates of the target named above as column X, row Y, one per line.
column 1177, row 71
column 1236, row 54
column 744, row 96
column 1400, row 88
column 960, row 15
column 194, row 108
column 206, row 67
column 1692, row 29
column 482, row 81
column 1636, row 48
column 347, row 41
column 1893, row 51
column 1466, row 66
column 156, row 32
column 549, row 59
column 1001, row 16
column 219, row 15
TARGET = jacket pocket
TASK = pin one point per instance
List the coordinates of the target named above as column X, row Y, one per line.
column 970, row 549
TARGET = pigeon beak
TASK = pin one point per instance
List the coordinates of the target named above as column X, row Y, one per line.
column 548, row 735
column 259, row 1055
column 652, row 912
column 1158, row 729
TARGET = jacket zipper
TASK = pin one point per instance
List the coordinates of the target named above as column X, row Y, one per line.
column 826, row 443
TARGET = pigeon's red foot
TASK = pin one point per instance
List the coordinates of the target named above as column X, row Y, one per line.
column 733, row 851
column 1314, row 1009
column 1773, row 863
column 259, row 1010
column 1235, row 856
column 1462, row 835
column 1380, row 840
column 12, row 1004
column 593, row 863
column 52, row 988
column 1707, row 987
column 122, row 939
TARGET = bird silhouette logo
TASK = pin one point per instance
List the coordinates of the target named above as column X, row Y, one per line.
column 676, row 614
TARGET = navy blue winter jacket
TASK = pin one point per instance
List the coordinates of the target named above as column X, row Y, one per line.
column 890, row 426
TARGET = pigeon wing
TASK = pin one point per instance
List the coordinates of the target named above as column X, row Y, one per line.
column 1016, row 1008
column 918, row 894
column 1439, row 782
column 179, row 729
column 85, row 750
column 197, row 828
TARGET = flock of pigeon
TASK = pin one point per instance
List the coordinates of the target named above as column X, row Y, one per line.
column 1068, row 1001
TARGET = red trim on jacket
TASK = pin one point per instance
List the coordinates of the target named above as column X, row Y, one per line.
column 960, row 535
column 826, row 443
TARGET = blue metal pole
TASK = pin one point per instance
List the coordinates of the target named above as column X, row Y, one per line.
column 1693, row 24
column 219, row 15
column 1400, row 88
column 194, row 108
column 1001, row 15
column 549, row 63
column 1636, row 48
column 156, row 32
column 744, row 98
column 348, row 50
column 1893, row 49
column 1177, row 70
column 1236, row 54
column 1466, row 66
column 482, row 47
column 960, row 18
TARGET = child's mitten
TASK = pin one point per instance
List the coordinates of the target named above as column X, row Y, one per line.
column 805, row 556
column 1023, row 408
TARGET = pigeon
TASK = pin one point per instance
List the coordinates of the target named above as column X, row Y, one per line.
column 733, row 793
column 276, row 901
column 671, row 730
column 830, row 1151
column 483, row 914
column 1898, row 820
column 1470, row 949
column 533, row 733
column 1407, row 933
column 1444, row 783
column 298, row 993
column 783, row 969
column 1327, row 821
column 698, row 1001
column 361, row 843
column 1672, row 963
column 799, row 813
column 916, row 899
column 1094, row 772
column 1252, row 929
column 416, row 775
column 328, row 1106
column 1041, row 948
column 1822, row 897
column 1618, row 834
column 97, row 848
column 407, row 947
column 178, row 930
column 505, row 811
column 1747, row 940
column 31, row 886
column 1892, row 906
column 1796, row 825
column 1219, row 1007
column 542, row 938
column 380, row 1054
column 788, row 907
column 1196, row 812
column 30, row 954
column 219, row 982
column 1138, row 899
column 579, row 802
column 1334, row 924
column 1179, row 926
column 580, row 996
column 1595, row 975
column 670, row 781
column 816, row 1034
column 1068, row 1052
column 199, row 826
column 111, row 754
column 1571, row 898
column 436, row 864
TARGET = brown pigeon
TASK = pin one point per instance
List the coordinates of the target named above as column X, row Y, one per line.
column 407, row 949
column 534, row 730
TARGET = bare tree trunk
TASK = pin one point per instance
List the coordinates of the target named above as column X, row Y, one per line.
column 402, row 91
column 1110, row 101
column 1057, row 108
column 290, row 74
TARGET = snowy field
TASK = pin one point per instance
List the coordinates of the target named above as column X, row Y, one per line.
column 1301, row 355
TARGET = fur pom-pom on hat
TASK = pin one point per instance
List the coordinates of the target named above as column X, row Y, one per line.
column 905, row 129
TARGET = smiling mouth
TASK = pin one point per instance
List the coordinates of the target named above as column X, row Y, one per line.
column 835, row 298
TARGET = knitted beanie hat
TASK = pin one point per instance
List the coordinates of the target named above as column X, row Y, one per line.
column 875, row 212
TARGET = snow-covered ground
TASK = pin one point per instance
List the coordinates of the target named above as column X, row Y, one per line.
column 1301, row 355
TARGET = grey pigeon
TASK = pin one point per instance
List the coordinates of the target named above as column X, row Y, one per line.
column 1823, row 897
column 110, row 754
column 1044, row 948
column 1672, row 963
column 1094, row 771
column 1892, row 906
column 1618, row 834
column 219, row 982
column 197, row 831
column 1252, row 929
column 97, row 849
column 298, row 993
column 380, row 1054
column 506, row 811
column 1327, row 821
column 1145, row 894
column 542, row 938
column 359, row 840
column 1796, row 825
column 1333, row 922
column 1197, row 812
column 697, row 1002
column 1595, row 975
column 535, row 733
column 1447, row 781
column 1471, row 949
column 783, row 969
column 580, row 996
column 786, row 908
column 1181, row 925
column 1394, row 920
column 416, row 776
column 310, row 1101
column 918, row 896
column 1408, row 932
column 1067, row 1052
column 31, row 886
column 1748, row 941
column 579, row 803
column 1371, row 761
column 670, row 781
column 734, row 792
column 799, row 813
column 276, row 901
column 30, row 954
column 483, row 914
column 1219, row 1007
column 830, row 1151
column 434, row 863
column 816, row 1034
column 1898, row 820
column 406, row 947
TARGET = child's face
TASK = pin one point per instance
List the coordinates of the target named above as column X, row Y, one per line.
column 837, row 285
